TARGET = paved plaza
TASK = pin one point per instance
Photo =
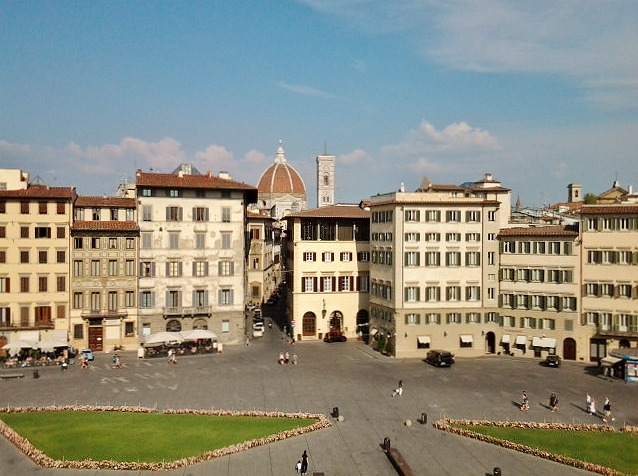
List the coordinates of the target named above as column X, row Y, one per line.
column 345, row 375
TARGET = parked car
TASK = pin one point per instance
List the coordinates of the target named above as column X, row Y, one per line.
column 89, row 354
column 334, row 336
column 440, row 358
column 258, row 326
column 552, row 361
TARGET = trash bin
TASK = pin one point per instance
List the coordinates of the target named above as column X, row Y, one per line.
column 424, row 418
column 496, row 472
column 335, row 412
column 386, row 444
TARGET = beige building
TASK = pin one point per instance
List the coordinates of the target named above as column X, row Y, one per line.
column 34, row 259
column 434, row 267
column 193, row 236
column 327, row 255
column 539, row 293
column 104, row 266
column 609, row 254
column 260, row 269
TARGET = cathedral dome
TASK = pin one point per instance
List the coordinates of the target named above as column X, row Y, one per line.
column 281, row 178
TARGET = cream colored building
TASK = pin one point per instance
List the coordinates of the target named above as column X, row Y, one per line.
column 104, row 267
column 327, row 255
column 34, row 258
column 193, row 235
column 434, row 267
column 539, row 294
column 260, row 269
column 609, row 254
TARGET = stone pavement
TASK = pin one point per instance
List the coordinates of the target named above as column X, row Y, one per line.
column 345, row 375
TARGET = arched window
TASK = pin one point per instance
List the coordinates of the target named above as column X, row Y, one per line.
column 326, row 179
column 173, row 326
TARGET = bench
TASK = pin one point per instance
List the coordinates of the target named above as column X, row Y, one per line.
column 398, row 462
column 5, row 376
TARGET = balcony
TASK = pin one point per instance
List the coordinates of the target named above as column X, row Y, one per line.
column 187, row 311
column 616, row 332
column 25, row 326
column 103, row 314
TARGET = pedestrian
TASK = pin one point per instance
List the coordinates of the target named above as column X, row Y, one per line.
column 294, row 359
column 304, row 463
column 553, row 402
column 281, row 358
column 399, row 390
column 592, row 407
column 247, row 341
column 116, row 362
column 298, row 467
column 525, row 402
column 287, row 357
column 588, row 403
column 607, row 410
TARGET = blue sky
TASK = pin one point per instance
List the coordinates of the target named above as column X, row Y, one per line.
column 540, row 94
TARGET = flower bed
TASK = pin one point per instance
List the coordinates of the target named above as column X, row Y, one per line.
column 452, row 426
column 45, row 461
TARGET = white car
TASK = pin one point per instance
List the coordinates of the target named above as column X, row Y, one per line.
column 258, row 329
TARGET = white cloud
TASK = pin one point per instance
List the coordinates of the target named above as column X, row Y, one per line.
column 217, row 156
column 305, row 90
column 13, row 149
column 353, row 158
column 255, row 157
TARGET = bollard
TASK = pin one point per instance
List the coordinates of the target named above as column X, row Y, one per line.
column 424, row 418
column 386, row 444
column 335, row 412
column 496, row 472
column 36, row 373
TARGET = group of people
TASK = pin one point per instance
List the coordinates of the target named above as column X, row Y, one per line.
column 284, row 358
column 590, row 404
column 117, row 364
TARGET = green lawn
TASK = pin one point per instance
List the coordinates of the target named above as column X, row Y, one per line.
column 612, row 450
column 139, row 437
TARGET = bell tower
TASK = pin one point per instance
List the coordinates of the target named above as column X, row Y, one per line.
column 325, row 180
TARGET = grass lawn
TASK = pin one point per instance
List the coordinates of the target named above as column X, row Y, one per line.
column 612, row 450
column 139, row 437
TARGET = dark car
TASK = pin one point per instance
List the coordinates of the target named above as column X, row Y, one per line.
column 334, row 336
column 552, row 361
column 440, row 358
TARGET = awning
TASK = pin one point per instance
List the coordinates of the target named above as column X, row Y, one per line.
column 466, row 338
column 374, row 331
column 505, row 339
column 423, row 339
column 521, row 340
column 544, row 342
column 609, row 361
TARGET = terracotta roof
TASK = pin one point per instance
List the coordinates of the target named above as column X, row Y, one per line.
column 333, row 211
column 281, row 178
column 609, row 210
column 39, row 191
column 209, row 181
column 574, row 206
column 419, row 200
column 551, row 230
column 98, row 225
column 105, row 202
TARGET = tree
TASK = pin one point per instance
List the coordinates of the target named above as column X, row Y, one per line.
column 590, row 199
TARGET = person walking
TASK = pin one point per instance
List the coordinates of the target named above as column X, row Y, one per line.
column 399, row 390
column 607, row 411
column 588, row 403
column 553, row 402
column 592, row 407
column 304, row 463
column 298, row 467
column 525, row 402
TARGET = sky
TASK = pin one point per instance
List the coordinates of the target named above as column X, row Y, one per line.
column 540, row 94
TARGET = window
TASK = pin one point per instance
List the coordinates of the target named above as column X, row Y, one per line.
column 146, row 192
column 61, row 232
column 491, row 258
column 200, row 298
column 412, row 237
column 346, row 256
column 309, row 256
column 174, row 213
column 43, row 232
column 114, row 213
column 24, row 284
column 130, row 267
column 24, row 208
column 130, row 214
column 491, row 317
column 225, row 268
column 453, row 318
column 147, row 213
column 430, row 237
column 472, row 293
column 200, row 269
column 78, row 269
column 147, row 299
column 24, row 232
column 432, row 293
column 5, row 286
column 3, row 256
column 43, row 284
column 42, row 257
column 130, row 243
column 433, row 258
column 491, row 216
column 345, row 283
column 78, row 300
column 173, row 193
column 254, row 233
column 491, row 236
column 528, row 322
column 554, row 247
column 24, row 256
column 453, row 258
column 509, row 247
column 364, row 284
column 472, row 258
column 624, row 257
column 96, row 214
column 60, row 283
column 591, row 289
column 327, row 256
column 200, row 214
column 95, row 243
column 112, row 301
column 453, row 293
column 473, row 237
column 308, row 284
column 453, row 237
column 453, row 216
column 129, row 328
column 491, row 293
column 412, row 294
column 95, row 267
column 548, row 324
column 413, row 215
column 225, row 326
column 433, row 318
column 256, row 263
column 624, row 290
column 607, row 290
column 78, row 243
column 112, row 267
column 200, row 241
column 173, row 241
column 412, row 319
column 226, row 240
column 226, row 214
column 473, row 216
column 112, row 243
column 473, row 318
column 326, row 284
column 412, row 258
column 174, row 269
column 433, row 215
column 225, row 297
